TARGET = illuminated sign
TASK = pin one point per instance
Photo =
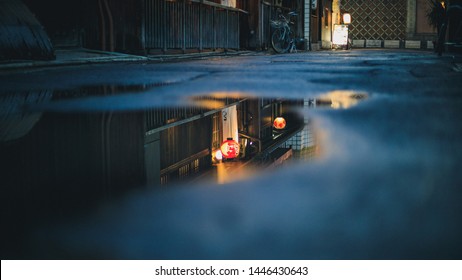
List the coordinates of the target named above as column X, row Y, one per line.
column 340, row 34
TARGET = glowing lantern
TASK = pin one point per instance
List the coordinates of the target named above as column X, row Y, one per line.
column 229, row 148
column 346, row 18
column 279, row 123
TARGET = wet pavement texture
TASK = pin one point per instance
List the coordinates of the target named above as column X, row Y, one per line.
column 385, row 183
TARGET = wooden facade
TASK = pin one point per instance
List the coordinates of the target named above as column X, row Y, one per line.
column 169, row 26
column 143, row 26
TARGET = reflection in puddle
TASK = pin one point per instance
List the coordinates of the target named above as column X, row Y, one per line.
column 56, row 162
column 341, row 99
column 14, row 123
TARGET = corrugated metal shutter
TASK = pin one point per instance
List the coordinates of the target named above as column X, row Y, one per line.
column 186, row 25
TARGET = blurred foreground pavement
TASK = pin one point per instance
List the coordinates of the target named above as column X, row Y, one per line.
column 387, row 183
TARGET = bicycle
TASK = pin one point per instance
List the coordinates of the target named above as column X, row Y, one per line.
column 283, row 38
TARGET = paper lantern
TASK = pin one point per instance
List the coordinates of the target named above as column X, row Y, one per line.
column 279, row 123
column 346, row 18
column 229, row 148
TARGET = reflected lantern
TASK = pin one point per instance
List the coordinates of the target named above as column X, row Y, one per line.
column 229, row 148
column 279, row 123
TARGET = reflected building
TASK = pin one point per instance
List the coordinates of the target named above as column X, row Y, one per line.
column 56, row 164
column 303, row 143
column 100, row 154
column 183, row 142
column 53, row 161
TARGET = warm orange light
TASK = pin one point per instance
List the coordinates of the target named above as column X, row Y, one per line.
column 207, row 104
column 342, row 99
column 279, row 123
column 229, row 148
column 346, row 18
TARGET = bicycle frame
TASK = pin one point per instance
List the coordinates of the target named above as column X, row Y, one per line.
column 281, row 38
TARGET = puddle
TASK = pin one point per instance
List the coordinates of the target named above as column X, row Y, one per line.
column 60, row 148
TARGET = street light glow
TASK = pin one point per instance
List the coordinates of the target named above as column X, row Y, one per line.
column 346, row 18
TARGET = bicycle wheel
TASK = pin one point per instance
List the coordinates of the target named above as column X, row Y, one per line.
column 280, row 40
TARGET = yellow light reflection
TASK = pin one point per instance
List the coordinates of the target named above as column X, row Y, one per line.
column 228, row 94
column 341, row 99
column 215, row 100
column 230, row 171
column 208, row 104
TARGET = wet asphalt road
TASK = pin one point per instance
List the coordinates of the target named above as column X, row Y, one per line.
column 387, row 183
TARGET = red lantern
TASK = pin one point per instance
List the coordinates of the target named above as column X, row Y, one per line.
column 229, row 148
column 279, row 123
